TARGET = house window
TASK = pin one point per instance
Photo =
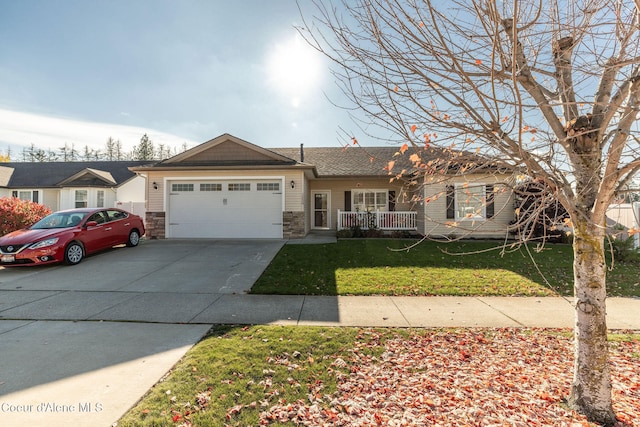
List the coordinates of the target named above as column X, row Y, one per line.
column 210, row 187
column 268, row 186
column 470, row 202
column 240, row 187
column 31, row 195
column 81, row 198
column 100, row 199
column 369, row 200
column 181, row 187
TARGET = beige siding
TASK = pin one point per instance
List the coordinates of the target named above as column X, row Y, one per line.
column 435, row 215
column 5, row 175
column 306, row 202
column 431, row 208
column 228, row 151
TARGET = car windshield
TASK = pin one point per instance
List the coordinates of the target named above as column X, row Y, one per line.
column 60, row 220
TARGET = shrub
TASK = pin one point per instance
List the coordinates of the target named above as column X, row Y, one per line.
column 373, row 232
column 16, row 214
column 624, row 250
column 345, row 233
column 357, row 231
column 540, row 214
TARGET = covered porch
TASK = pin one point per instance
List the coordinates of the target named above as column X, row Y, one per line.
column 385, row 221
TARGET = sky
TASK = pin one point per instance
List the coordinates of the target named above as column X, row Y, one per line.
column 77, row 72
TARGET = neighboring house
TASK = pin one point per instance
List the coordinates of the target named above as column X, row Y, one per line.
column 65, row 185
column 230, row 188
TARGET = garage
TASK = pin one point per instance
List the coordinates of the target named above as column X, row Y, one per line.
column 233, row 208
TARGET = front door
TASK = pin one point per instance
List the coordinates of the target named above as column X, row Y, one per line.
column 321, row 209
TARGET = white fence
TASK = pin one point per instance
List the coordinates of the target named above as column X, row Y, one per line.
column 626, row 215
column 378, row 220
column 137, row 208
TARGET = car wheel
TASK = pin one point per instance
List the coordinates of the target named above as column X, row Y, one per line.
column 73, row 253
column 134, row 238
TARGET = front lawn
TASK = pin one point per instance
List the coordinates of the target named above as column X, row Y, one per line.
column 378, row 267
column 296, row 375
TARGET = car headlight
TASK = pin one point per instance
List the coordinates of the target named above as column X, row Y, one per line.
column 44, row 243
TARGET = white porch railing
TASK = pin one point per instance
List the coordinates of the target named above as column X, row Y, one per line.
column 378, row 220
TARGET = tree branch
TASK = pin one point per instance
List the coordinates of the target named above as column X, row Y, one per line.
column 612, row 174
column 525, row 78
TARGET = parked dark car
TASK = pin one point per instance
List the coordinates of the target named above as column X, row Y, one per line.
column 68, row 236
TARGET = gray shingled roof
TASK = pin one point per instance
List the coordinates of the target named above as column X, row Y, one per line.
column 51, row 174
column 350, row 161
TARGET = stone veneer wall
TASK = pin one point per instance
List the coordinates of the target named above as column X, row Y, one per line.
column 293, row 225
column 154, row 224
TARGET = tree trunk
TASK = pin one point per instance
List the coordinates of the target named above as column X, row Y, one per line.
column 591, row 387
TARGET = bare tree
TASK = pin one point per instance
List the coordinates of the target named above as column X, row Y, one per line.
column 119, row 154
column 68, row 154
column 90, row 154
column 550, row 87
column 33, row 154
column 110, row 149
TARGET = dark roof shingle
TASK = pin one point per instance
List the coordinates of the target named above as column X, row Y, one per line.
column 350, row 161
column 51, row 174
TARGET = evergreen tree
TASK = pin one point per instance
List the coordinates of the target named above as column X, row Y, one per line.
column 144, row 150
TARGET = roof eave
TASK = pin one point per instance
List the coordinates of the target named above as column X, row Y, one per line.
column 174, row 167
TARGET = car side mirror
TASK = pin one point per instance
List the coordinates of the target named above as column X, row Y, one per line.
column 91, row 223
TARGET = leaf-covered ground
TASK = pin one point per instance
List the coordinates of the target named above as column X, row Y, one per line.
column 472, row 378
column 314, row 376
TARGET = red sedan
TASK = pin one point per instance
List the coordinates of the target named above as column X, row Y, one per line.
column 69, row 236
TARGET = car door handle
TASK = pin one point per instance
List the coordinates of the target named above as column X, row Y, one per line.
column 107, row 229
column 126, row 224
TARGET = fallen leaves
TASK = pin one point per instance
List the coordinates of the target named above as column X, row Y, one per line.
column 473, row 377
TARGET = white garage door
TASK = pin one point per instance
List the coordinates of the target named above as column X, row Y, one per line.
column 225, row 209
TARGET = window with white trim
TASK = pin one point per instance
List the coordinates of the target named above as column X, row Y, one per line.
column 30, row 195
column 81, row 198
column 100, row 199
column 470, row 202
column 369, row 200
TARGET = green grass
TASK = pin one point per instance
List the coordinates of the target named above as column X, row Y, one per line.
column 250, row 366
column 377, row 267
column 235, row 373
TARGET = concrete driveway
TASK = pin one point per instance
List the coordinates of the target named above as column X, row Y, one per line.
column 159, row 281
column 80, row 345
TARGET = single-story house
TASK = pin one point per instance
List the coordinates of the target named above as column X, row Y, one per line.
column 231, row 188
column 65, row 185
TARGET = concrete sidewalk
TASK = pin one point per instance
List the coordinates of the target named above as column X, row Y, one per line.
column 417, row 312
column 233, row 308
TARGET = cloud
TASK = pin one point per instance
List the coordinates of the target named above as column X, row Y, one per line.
column 20, row 129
